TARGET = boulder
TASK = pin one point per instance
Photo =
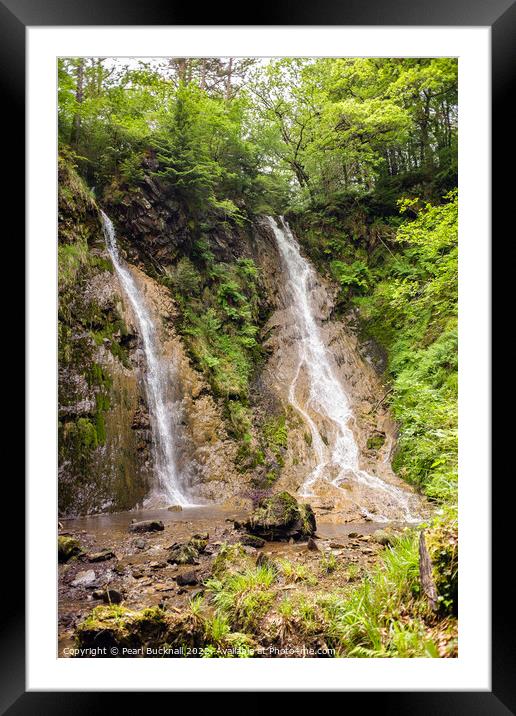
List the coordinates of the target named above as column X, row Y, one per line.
column 67, row 547
column 147, row 526
column 175, row 508
column 281, row 517
column 183, row 554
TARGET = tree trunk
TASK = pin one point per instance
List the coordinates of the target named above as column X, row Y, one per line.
column 181, row 69
column 425, row 572
column 79, row 97
column 203, row 74
column 229, row 74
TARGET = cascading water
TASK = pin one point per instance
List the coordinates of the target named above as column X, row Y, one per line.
column 338, row 460
column 160, row 408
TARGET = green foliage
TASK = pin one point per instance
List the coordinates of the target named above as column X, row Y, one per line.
column 442, row 543
column 329, row 562
column 220, row 312
column 334, row 125
column 353, row 278
column 367, row 622
column 412, row 311
column 184, row 278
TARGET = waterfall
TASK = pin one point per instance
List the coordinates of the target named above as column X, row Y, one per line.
column 156, row 380
column 338, row 459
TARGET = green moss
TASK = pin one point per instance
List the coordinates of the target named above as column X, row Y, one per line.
column 67, row 547
column 230, row 558
column 276, row 434
column 375, row 442
column 116, row 626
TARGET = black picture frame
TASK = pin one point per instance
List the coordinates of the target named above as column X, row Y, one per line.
column 500, row 15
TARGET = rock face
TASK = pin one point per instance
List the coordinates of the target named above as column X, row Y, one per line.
column 357, row 375
column 103, row 437
column 281, row 517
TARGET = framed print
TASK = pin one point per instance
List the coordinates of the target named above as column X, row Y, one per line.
column 258, row 365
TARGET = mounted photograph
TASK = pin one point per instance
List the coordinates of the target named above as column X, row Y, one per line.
column 257, row 357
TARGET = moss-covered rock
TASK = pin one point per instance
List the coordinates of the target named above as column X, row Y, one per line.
column 384, row 537
column 232, row 558
column 67, row 547
column 281, row 517
column 252, row 541
column 183, row 554
column 376, row 441
column 199, row 541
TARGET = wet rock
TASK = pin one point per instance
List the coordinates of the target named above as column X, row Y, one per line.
column 101, row 556
column 67, row 547
column 140, row 543
column 353, row 534
column 312, row 545
column 199, row 541
column 175, row 508
column 85, row 578
column 157, row 565
column 147, row 526
column 187, row 579
column 183, row 554
column 252, row 541
column 366, row 516
column 281, row 517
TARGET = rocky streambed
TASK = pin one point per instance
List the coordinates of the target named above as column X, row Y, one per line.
column 144, row 580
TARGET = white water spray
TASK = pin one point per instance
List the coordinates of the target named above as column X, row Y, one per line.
column 326, row 394
column 156, row 375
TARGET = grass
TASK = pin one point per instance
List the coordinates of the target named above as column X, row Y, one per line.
column 243, row 598
column 293, row 572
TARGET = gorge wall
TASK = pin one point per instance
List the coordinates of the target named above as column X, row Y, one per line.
column 216, row 291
